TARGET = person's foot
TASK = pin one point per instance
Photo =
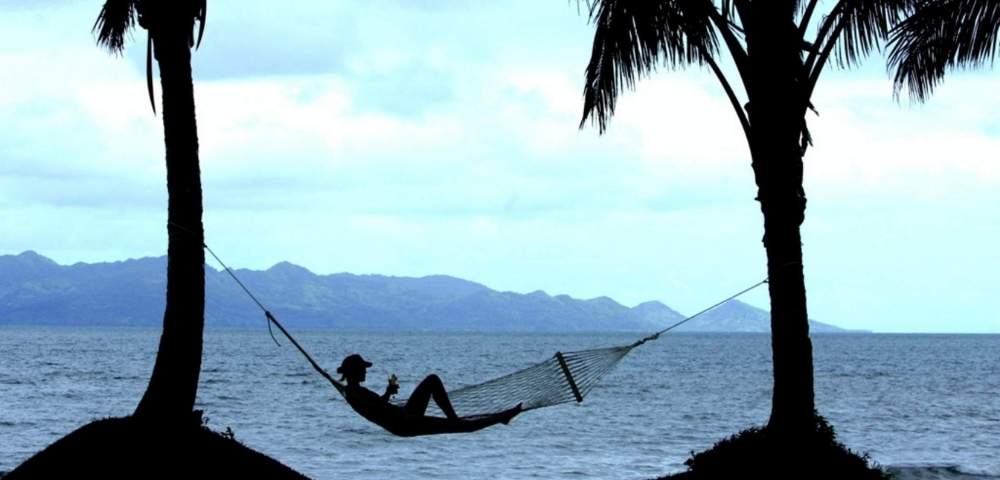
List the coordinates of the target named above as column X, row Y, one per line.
column 507, row 415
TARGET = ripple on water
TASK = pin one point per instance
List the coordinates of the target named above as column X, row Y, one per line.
column 937, row 472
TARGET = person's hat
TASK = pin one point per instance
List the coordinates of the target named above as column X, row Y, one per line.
column 352, row 363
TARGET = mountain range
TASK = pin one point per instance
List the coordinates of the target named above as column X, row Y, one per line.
column 35, row 290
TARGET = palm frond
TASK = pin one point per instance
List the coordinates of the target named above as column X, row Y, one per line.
column 807, row 11
column 942, row 35
column 201, row 13
column 860, row 26
column 632, row 37
column 113, row 24
column 149, row 72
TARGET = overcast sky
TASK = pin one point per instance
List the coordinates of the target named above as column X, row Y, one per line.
column 407, row 137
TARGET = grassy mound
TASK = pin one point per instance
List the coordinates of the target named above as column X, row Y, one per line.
column 128, row 448
column 757, row 453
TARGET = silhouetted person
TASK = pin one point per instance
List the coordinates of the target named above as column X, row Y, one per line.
column 409, row 419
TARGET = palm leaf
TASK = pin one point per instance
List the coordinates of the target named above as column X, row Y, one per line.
column 632, row 37
column 201, row 13
column 149, row 72
column 119, row 17
column 942, row 35
column 116, row 20
column 860, row 27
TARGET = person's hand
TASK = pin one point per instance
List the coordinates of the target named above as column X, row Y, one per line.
column 393, row 387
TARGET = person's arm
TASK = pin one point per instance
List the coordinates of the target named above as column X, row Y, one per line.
column 341, row 388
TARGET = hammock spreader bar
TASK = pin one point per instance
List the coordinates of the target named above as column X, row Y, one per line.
column 569, row 377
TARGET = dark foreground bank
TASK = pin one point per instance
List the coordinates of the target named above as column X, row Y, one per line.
column 758, row 453
column 128, row 448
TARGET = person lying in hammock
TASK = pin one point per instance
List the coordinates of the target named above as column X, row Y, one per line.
column 410, row 419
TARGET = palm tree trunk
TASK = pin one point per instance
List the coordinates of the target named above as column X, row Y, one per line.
column 173, row 385
column 776, row 128
column 792, row 408
column 783, row 206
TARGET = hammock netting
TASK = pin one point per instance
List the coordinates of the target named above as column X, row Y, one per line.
column 564, row 378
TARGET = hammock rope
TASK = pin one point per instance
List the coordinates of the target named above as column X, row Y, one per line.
column 564, row 378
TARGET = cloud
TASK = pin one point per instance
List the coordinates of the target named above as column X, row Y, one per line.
column 868, row 145
column 411, row 90
column 413, row 138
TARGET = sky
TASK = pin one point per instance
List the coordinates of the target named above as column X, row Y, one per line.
column 410, row 138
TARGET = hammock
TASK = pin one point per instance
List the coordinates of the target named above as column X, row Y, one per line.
column 564, row 378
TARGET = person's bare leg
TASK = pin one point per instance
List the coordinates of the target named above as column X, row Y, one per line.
column 430, row 387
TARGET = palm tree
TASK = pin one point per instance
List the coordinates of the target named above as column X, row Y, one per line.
column 161, row 439
column 942, row 35
column 777, row 68
column 170, row 395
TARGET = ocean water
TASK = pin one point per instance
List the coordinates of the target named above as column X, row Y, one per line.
column 926, row 406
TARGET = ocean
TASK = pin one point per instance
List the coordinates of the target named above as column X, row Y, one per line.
column 924, row 406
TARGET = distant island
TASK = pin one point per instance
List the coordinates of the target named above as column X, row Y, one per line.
column 34, row 290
